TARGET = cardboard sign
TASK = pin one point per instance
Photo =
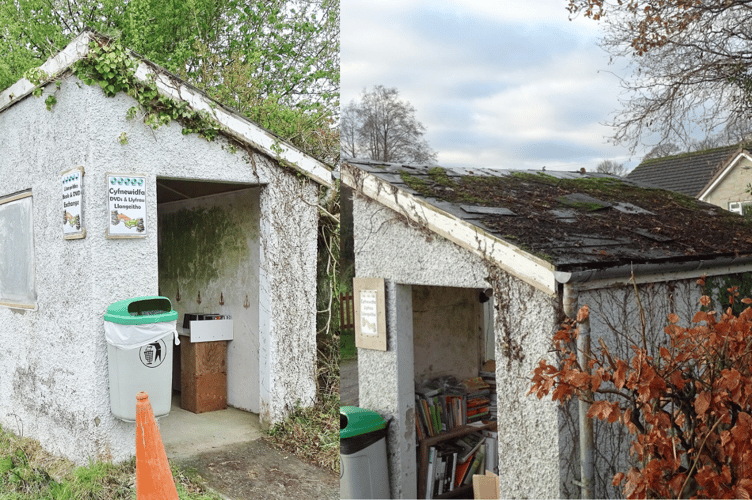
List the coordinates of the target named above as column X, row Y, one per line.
column 73, row 197
column 126, row 205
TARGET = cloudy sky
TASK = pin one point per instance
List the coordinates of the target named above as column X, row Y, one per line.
column 502, row 83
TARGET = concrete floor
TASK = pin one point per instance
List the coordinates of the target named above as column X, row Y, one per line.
column 187, row 434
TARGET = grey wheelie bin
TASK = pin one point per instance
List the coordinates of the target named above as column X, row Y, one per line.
column 140, row 333
column 363, row 465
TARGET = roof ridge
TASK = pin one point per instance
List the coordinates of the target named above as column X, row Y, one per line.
column 234, row 124
column 688, row 154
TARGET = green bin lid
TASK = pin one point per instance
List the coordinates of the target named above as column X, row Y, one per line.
column 356, row 421
column 141, row 310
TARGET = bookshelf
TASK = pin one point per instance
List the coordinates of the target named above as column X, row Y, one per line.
column 446, row 436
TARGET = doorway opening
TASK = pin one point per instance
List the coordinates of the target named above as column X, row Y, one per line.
column 209, row 255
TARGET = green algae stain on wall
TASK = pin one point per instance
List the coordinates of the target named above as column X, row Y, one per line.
column 199, row 245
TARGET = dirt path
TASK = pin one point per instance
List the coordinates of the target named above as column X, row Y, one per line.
column 256, row 470
column 228, row 449
column 348, row 384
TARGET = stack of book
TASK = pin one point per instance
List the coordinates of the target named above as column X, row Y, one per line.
column 440, row 407
column 452, row 464
column 488, row 374
column 444, row 404
column 478, row 400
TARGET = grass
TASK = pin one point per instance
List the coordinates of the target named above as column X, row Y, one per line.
column 312, row 433
column 347, row 348
column 27, row 472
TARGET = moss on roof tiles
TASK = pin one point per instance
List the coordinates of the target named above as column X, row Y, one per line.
column 676, row 226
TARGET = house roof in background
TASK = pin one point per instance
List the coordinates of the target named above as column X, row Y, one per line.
column 687, row 173
column 719, row 176
column 572, row 220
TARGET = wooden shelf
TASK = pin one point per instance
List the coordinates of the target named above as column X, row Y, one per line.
column 446, row 436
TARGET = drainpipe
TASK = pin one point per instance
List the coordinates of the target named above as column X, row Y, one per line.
column 575, row 281
column 587, row 462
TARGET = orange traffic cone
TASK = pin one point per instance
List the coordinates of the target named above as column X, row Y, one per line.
column 153, row 477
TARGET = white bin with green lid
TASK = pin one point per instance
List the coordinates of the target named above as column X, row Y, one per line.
column 140, row 332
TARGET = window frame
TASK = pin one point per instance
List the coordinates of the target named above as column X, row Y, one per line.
column 31, row 301
column 737, row 207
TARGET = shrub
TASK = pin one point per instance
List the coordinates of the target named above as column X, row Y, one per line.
column 688, row 404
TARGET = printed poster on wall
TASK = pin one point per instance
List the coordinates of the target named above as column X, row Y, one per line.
column 369, row 318
column 126, row 203
column 370, row 313
column 73, row 213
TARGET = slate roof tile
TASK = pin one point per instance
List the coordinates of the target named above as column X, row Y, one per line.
column 686, row 173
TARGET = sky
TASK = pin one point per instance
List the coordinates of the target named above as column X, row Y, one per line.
column 504, row 83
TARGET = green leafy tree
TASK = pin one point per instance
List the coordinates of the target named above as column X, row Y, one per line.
column 276, row 61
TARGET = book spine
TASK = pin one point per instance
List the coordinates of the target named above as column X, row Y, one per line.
column 454, row 471
column 438, row 480
column 427, row 417
column 474, row 467
column 429, row 475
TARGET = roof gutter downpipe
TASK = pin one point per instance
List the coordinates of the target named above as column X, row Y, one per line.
column 587, row 461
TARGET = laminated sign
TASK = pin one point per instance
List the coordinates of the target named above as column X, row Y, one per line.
column 126, row 203
column 73, row 189
column 370, row 313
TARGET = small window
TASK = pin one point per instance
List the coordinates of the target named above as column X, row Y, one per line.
column 740, row 207
column 17, row 251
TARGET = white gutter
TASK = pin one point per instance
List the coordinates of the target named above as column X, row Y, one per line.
column 240, row 128
column 243, row 129
column 592, row 279
column 529, row 268
column 55, row 65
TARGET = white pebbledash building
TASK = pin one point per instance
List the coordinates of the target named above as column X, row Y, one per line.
column 539, row 244
column 96, row 208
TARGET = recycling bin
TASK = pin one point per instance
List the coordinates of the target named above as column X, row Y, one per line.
column 363, row 464
column 140, row 333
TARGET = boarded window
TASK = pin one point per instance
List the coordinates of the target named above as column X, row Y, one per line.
column 17, row 251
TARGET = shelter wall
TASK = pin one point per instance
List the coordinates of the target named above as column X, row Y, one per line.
column 406, row 254
column 447, row 324
column 54, row 376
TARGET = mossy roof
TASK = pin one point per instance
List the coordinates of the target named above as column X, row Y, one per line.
column 575, row 220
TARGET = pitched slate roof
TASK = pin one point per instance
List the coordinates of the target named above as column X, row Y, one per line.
column 573, row 220
column 686, row 173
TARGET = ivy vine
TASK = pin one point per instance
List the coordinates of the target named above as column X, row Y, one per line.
column 111, row 67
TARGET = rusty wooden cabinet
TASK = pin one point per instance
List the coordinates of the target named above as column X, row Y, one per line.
column 203, row 376
column 203, row 364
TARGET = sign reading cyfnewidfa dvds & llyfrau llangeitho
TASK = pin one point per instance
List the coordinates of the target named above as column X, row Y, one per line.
column 73, row 196
column 126, row 204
